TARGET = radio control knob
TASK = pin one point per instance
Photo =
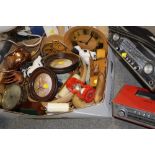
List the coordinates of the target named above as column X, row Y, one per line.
column 148, row 116
column 117, row 48
column 136, row 68
column 127, row 58
column 144, row 114
column 115, row 37
column 148, row 68
column 151, row 82
column 122, row 113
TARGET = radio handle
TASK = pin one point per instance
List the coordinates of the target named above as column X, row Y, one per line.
column 145, row 94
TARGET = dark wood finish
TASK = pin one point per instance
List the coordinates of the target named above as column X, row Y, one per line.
column 32, row 78
column 73, row 57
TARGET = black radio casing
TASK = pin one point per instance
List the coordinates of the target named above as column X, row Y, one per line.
column 139, row 58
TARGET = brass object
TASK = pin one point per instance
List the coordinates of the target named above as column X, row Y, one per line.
column 1, row 96
column 33, row 51
column 8, row 77
column 16, row 59
column 52, row 44
column 2, row 89
column 53, row 47
column 52, row 38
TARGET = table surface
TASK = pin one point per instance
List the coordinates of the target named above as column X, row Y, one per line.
column 93, row 123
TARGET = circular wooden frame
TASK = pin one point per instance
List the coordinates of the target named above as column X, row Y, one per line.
column 70, row 38
column 73, row 57
column 32, row 78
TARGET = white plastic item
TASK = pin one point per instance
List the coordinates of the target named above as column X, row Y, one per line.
column 57, row 107
column 86, row 54
column 36, row 64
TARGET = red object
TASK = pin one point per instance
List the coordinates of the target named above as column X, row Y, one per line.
column 85, row 92
column 128, row 96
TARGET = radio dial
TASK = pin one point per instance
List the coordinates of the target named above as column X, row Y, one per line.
column 122, row 113
column 148, row 68
column 115, row 37
column 136, row 68
column 129, row 60
column 117, row 48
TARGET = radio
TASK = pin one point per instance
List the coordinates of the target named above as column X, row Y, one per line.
column 138, row 106
column 136, row 54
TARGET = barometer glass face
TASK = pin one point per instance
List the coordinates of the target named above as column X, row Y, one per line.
column 61, row 63
column 11, row 96
column 43, row 85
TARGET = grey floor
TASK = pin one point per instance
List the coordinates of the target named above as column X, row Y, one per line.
column 122, row 76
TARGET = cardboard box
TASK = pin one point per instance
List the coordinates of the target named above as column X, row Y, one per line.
column 102, row 109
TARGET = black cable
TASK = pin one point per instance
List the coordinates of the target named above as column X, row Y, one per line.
column 132, row 36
